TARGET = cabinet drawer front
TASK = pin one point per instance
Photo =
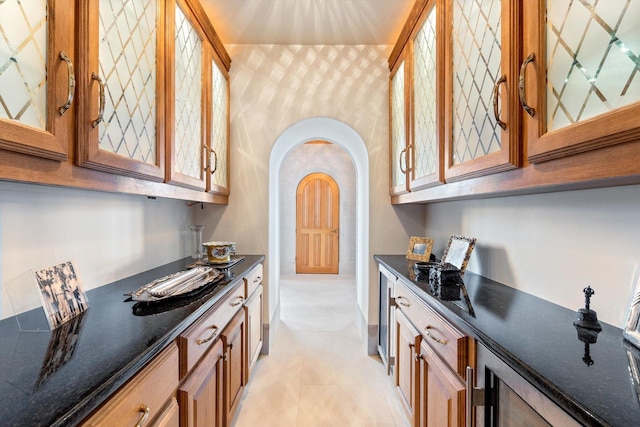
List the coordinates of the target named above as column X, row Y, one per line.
column 149, row 389
column 252, row 280
column 200, row 336
column 447, row 341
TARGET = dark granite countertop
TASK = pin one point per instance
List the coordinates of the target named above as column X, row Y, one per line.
column 116, row 339
column 539, row 341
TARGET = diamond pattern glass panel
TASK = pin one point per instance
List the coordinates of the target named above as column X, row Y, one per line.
column 188, row 102
column 219, row 128
column 593, row 58
column 398, row 130
column 476, row 68
column 127, row 58
column 23, row 59
column 425, row 137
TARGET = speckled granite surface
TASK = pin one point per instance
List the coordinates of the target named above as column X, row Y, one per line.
column 115, row 339
column 538, row 340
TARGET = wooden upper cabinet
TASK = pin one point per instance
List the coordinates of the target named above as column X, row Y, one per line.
column 398, row 127
column 426, row 88
column 37, row 77
column 580, row 76
column 186, row 98
column 121, row 87
column 218, row 125
column 481, row 107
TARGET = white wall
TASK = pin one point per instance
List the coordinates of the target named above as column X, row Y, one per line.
column 553, row 245
column 275, row 86
column 335, row 162
column 107, row 236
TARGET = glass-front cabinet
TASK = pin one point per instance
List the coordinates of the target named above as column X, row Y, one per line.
column 121, row 87
column 218, row 138
column 482, row 125
column 427, row 91
column 37, row 77
column 580, row 76
column 398, row 128
column 186, row 109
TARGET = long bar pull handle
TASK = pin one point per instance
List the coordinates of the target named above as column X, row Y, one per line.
column 97, row 121
column 215, row 161
column 71, row 83
column 144, row 410
column 474, row 397
column 521, row 85
column 496, row 95
column 210, row 337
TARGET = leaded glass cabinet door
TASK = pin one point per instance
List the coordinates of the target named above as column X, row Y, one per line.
column 580, row 76
column 37, row 78
column 398, row 128
column 426, row 106
column 186, row 103
column 218, row 139
column 121, row 85
column 481, row 106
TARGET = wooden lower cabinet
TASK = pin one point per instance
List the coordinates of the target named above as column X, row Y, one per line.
column 201, row 394
column 146, row 398
column 234, row 377
column 406, row 368
column 253, row 310
column 170, row 415
column 442, row 393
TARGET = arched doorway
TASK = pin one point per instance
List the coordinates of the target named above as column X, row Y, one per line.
column 345, row 136
column 317, row 225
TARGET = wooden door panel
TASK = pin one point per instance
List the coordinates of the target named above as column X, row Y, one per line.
column 317, row 225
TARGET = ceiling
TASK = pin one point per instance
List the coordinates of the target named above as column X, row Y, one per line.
column 319, row 22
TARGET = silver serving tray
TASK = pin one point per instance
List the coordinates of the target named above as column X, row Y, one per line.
column 176, row 284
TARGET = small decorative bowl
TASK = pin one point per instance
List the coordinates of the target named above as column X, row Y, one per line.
column 219, row 252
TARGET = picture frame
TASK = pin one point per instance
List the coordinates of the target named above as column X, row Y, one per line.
column 458, row 251
column 631, row 330
column 419, row 248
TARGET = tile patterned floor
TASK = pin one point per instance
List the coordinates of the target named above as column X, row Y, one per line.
column 318, row 372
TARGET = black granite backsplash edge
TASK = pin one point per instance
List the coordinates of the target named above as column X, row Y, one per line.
column 457, row 317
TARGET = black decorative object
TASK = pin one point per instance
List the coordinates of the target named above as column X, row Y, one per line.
column 588, row 318
column 588, row 337
column 445, row 280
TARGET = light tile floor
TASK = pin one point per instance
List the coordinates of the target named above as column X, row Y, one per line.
column 318, row 372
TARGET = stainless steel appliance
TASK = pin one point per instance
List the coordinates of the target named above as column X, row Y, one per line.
column 386, row 316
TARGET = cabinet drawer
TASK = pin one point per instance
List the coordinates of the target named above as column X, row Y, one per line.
column 252, row 280
column 149, row 389
column 200, row 336
column 447, row 341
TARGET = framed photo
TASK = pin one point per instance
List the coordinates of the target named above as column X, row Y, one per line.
column 419, row 248
column 632, row 328
column 458, row 251
column 60, row 293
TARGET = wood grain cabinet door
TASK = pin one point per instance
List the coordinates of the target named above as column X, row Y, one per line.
column 579, row 77
column 121, row 86
column 37, row 77
column 406, row 369
column 234, row 341
column 201, row 395
column 442, row 393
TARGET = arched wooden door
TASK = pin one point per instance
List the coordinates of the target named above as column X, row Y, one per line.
column 317, row 224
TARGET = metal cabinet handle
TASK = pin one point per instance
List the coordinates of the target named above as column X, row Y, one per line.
column 97, row 121
column 71, row 83
column 399, row 300
column 257, row 279
column 474, row 396
column 521, row 85
column 210, row 337
column 496, row 95
column 215, row 161
column 403, row 156
column 433, row 337
column 144, row 410
column 238, row 300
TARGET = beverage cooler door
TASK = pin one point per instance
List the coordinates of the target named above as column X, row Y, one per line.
column 504, row 398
